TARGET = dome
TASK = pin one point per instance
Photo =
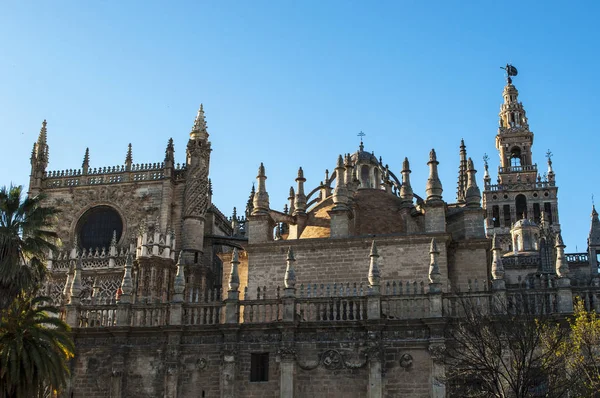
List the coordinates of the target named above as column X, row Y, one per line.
column 362, row 156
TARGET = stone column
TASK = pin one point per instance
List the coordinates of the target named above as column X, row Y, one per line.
column 228, row 374
column 438, row 370
column 374, row 358
column 287, row 364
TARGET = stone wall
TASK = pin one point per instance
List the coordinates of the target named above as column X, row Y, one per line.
column 318, row 261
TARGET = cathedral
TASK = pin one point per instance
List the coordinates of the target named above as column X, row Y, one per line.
column 343, row 293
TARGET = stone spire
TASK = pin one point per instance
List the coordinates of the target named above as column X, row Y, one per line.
column 562, row 266
column 290, row 273
column 472, row 194
column 340, row 192
column 250, row 203
column 292, row 200
column 199, row 130
column 127, row 282
column 128, row 158
column 234, row 276
column 433, row 189
column 261, row 197
column 497, row 266
column 594, row 236
column 374, row 276
column 85, row 166
column 461, row 190
column 406, row 192
column 41, row 148
column 435, row 277
column 170, row 153
column 300, row 196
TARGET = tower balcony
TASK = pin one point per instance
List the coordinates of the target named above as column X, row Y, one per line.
column 517, row 169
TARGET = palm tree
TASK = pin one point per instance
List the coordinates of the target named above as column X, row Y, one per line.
column 35, row 346
column 25, row 237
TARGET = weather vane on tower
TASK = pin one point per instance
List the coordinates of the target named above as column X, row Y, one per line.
column 510, row 71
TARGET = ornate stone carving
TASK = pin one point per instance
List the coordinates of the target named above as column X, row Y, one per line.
column 332, row 360
column 286, row 353
column 406, row 361
column 437, row 351
column 201, row 364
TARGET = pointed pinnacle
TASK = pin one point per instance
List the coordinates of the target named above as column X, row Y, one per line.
column 236, row 257
column 129, row 156
column 86, row 158
column 292, row 192
column 374, row 252
column 300, row 173
column 405, row 165
column 261, row 170
column 432, row 156
column 433, row 247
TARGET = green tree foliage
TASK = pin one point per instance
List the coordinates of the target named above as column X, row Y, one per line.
column 580, row 352
column 25, row 237
column 35, row 347
column 35, row 344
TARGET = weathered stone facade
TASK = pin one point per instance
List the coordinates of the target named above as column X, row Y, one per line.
column 345, row 293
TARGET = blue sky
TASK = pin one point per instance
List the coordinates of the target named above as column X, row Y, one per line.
column 292, row 83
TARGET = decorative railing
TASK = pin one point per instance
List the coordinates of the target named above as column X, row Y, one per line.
column 339, row 302
column 521, row 261
column 590, row 297
column 517, row 169
column 577, row 258
column 91, row 259
column 150, row 315
column 94, row 316
column 202, row 313
column 536, row 185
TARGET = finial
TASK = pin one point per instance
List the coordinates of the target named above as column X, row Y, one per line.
column 210, row 187
column 434, row 269
column 290, row 274
column 234, row 276
column 510, row 71
column 374, row 275
column 300, row 173
column 406, row 191
column 200, row 121
column 562, row 266
column 433, row 188
column 497, row 266
column 473, row 194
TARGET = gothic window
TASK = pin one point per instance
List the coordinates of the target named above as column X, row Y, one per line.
column 521, row 205
column 259, row 367
column 365, row 179
column 96, row 226
column 496, row 215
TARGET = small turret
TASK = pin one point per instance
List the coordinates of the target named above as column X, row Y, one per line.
column 433, row 189
column 261, row 197
column 406, row 191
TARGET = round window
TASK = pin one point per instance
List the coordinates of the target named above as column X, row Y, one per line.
column 97, row 225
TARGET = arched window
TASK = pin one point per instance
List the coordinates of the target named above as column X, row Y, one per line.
column 365, row 178
column 521, row 206
column 96, row 226
column 517, row 243
column 515, row 157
